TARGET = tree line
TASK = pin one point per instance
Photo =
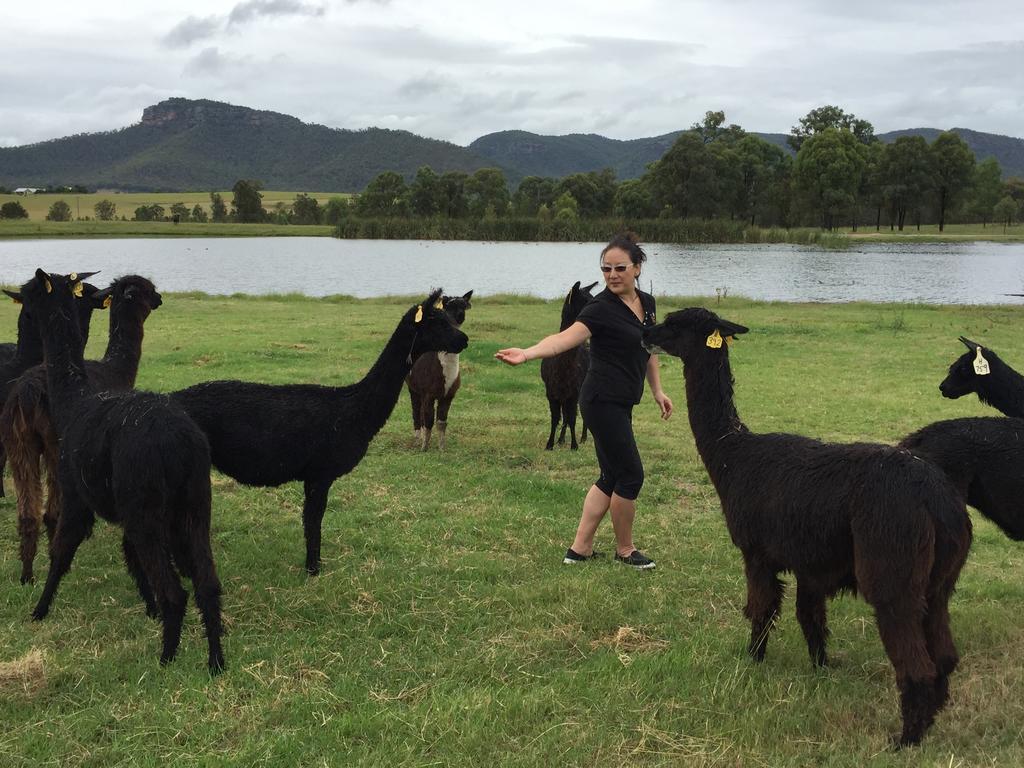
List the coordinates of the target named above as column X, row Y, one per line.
column 839, row 175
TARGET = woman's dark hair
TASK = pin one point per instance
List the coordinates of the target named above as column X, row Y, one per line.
column 627, row 241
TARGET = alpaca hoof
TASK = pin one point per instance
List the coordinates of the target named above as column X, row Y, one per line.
column 549, row 447
column 27, row 578
column 216, row 665
column 574, row 447
column 39, row 613
column 153, row 612
column 313, row 570
column 166, row 659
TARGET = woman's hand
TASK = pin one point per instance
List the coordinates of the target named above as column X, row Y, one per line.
column 512, row 356
column 664, row 403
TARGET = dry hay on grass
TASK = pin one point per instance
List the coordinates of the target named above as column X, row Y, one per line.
column 626, row 641
column 27, row 674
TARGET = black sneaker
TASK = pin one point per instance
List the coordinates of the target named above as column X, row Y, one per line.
column 636, row 559
column 572, row 557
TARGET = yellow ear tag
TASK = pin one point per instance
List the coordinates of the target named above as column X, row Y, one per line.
column 73, row 276
column 49, row 288
column 77, row 290
column 981, row 364
column 439, row 304
column 715, row 340
column 419, row 313
column 106, row 303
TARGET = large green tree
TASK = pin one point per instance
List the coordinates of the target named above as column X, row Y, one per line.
column 386, row 195
column 986, row 190
column 13, row 210
column 905, row 177
column 425, row 193
column 633, row 200
column 532, row 193
column 593, row 191
column 453, row 192
column 105, row 210
column 829, row 168
column 306, row 210
column 821, row 119
column 952, row 164
column 59, row 211
column 487, row 192
column 685, row 181
column 247, row 202
column 218, row 208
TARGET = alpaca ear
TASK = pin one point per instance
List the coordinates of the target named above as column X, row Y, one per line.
column 467, row 297
column 731, row 329
column 101, row 298
column 14, row 295
column 590, row 287
column 44, row 279
column 971, row 345
column 575, row 287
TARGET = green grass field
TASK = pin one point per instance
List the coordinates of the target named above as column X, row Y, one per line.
column 445, row 630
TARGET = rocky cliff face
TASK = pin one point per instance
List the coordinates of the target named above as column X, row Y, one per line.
column 186, row 113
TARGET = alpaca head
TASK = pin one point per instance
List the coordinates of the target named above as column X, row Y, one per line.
column 456, row 307
column 134, row 294
column 575, row 300
column 690, row 332
column 86, row 303
column 970, row 372
column 48, row 294
column 433, row 328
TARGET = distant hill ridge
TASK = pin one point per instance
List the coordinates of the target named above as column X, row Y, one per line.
column 193, row 144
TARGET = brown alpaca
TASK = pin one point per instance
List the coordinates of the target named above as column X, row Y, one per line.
column 435, row 378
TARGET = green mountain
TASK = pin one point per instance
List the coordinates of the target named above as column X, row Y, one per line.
column 182, row 144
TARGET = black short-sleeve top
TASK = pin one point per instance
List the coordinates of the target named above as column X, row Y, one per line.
column 618, row 361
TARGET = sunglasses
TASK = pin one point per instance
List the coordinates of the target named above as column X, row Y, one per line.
column 618, row 268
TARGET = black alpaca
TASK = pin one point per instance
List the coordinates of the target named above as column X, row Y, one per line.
column 28, row 351
column 25, row 425
column 563, row 374
column 435, row 378
column 984, row 458
column 864, row 517
column 266, row 435
column 135, row 459
column 980, row 370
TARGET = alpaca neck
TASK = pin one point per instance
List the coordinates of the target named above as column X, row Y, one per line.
column 66, row 380
column 379, row 389
column 29, row 348
column 1003, row 389
column 124, row 345
column 712, row 413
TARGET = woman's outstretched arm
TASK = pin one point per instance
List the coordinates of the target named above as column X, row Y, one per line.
column 549, row 346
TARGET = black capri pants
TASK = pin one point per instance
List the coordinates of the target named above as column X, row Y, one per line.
column 611, row 424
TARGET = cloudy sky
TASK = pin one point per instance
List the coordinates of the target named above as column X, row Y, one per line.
column 458, row 69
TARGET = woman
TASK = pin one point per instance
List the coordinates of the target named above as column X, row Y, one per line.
column 613, row 322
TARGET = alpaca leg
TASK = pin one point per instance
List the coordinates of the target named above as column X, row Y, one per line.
column 902, row 630
column 414, row 399
column 583, row 431
column 30, row 503
column 810, row 612
column 312, row 516
column 192, row 546
column 426, row 421
column 556, row 411
column 764, row 596
column 569, row 419
column 74, row 526
column 3, row 464
column 131, row 559
column 155, row 558
column 51, row 456
column 939, row 638
column 443, row 406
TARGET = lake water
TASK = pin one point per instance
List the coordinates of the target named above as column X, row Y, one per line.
column 947, row 273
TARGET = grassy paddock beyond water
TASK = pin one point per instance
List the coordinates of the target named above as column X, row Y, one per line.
column 445, row 630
